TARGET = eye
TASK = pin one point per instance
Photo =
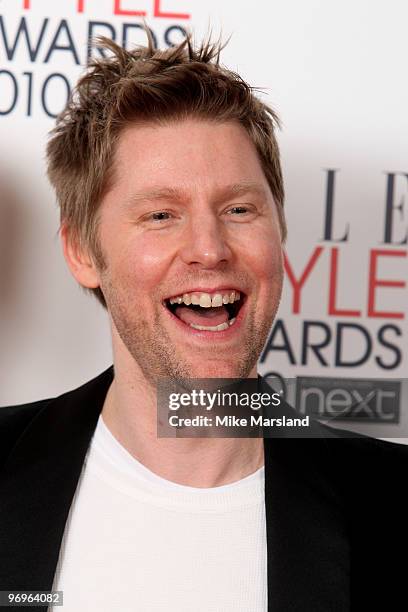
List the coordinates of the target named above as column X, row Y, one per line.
column 157, row 219
column 242, row 212
column 160, row 215
column 238, row 210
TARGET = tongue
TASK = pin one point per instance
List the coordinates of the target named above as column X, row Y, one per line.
column 204, row 316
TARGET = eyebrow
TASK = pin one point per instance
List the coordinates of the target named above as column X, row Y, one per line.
column 222, row 194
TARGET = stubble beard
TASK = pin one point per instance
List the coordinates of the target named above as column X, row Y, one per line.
column 156, row 356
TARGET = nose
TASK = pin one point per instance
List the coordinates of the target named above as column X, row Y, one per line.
column 204, row 242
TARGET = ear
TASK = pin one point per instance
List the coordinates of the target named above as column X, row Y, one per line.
column 79, row 261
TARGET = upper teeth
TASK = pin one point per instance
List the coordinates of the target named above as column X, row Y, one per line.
column 206, row 300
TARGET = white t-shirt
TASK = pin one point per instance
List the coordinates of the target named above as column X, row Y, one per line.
column 137, row 542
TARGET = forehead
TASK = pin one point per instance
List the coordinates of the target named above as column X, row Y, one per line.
column 191, row 154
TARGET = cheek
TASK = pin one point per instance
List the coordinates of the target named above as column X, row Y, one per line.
column 142, row 262
column 270, row 276
column 265, row 257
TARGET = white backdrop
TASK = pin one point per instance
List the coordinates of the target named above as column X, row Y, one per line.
column 336, row 74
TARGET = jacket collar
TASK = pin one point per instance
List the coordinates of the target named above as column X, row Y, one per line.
column 307, row 543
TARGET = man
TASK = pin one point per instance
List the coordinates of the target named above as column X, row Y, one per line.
column 167, row 173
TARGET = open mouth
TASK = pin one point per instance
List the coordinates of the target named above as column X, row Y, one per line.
column 207, row 311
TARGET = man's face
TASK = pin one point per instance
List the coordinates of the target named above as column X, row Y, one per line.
column 191, row 241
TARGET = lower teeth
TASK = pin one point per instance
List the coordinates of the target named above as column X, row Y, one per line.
column 220, row 327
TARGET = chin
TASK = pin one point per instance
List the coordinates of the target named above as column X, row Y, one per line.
column 220, row 370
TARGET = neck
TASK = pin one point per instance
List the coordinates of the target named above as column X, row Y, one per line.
column 130, row 412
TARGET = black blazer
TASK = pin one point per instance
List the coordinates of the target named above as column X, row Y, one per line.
column 336, row 507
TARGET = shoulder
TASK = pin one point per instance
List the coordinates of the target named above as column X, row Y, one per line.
column 370, row 472
column 360, row 443
column 360, row 454
column 78, row 405
column 361, row 471
column 13, row 422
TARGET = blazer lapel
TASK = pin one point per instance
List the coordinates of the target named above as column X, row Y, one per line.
column 307, row 539
column 307, row 534
column 38, row 483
